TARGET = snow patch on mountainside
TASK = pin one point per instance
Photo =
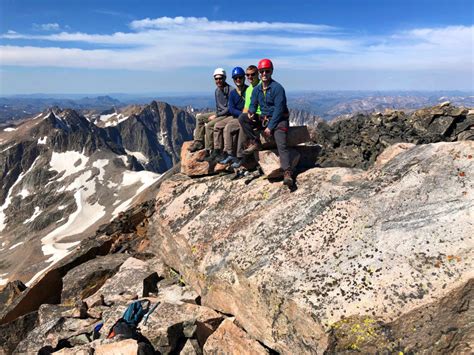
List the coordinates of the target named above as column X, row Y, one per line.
column 112, row 119
column 15, row 245
column 24, row 193
column 4, row 150
column 84, row 216
column 146, row 178
column 71, row 162
column 36, row 213
column 139, row 155
column 101, row 164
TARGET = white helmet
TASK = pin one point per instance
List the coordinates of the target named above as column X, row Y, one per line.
column 220, row 71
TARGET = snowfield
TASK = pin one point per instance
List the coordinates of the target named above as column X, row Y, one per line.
column 71, row 162
column 85, row 180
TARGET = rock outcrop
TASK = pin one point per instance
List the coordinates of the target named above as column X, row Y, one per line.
column 358, row 140
column 379, row 244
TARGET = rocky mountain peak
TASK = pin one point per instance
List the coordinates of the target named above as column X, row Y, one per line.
column 370, row 253
column 66, row 119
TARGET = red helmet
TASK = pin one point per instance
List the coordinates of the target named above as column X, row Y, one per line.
column 265, row 64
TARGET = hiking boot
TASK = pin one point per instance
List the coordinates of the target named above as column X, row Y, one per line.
column 197, row 145
column 213, row 156
column 236, row 164
column 287, row 178
column 220, row 157
column 229, row 159
column 253, row 147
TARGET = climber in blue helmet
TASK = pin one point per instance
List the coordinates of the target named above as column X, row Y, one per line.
column 223, row 137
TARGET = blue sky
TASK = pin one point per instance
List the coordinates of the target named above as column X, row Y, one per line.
column 86, row 46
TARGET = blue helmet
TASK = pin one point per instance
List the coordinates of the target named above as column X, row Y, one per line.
column 237, row 71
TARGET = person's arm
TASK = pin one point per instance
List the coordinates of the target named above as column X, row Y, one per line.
column 254, row 101
column 223, row 103
column 233, row 100
column 248, row 95
column 279, row 101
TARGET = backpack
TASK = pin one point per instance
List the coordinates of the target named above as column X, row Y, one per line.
column 126, row 326
column 135, row 312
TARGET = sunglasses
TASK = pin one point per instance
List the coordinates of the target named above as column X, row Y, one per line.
column 265, row 71
column 219, row 78
column 240, row 77
column 251, row 74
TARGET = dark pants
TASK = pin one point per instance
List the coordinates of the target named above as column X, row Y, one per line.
column 280, row 134
column 249, row 126
column 252, row 130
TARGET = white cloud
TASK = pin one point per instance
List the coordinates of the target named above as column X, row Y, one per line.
column 47, row 27
column 167, row 43
column 203, row 24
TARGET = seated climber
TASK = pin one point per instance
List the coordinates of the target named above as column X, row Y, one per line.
column 234, row 126
column 226, row 129
column 274, row 118
column 203, row 134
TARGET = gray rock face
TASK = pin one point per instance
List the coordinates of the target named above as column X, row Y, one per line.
column 127, row 282
column 377, row 244
column 85, row 279
column 14, row 332
column 157, row 131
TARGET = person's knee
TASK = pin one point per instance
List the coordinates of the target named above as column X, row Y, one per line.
column 219, row 126
column 200, row 120
column 243, row 117
column 280, row 137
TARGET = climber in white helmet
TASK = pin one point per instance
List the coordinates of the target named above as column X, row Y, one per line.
column 203, row 134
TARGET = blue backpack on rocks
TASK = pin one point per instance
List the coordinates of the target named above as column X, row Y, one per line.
column 135, row 312
column 126, row 326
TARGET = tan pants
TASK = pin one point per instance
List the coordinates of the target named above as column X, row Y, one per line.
column 234, row 139
column 209, row 138
column 201, row 120
column 219, row 138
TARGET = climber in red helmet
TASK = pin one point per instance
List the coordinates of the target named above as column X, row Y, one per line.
column 273, row 120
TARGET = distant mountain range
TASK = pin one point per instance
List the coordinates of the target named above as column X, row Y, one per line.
column 324, row 104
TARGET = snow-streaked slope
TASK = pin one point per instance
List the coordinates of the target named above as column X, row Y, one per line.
column 99, row 190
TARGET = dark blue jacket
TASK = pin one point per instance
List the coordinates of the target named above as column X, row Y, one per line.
column 237, row 102
column 272, row 104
